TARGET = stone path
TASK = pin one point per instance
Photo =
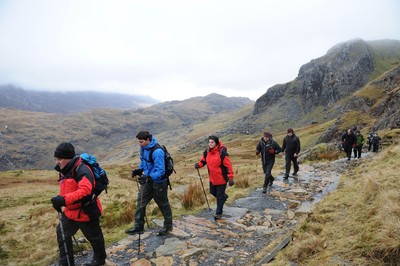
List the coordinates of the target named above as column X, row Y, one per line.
column 248, row 225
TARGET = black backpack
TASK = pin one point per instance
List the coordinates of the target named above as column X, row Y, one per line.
column 168, row 161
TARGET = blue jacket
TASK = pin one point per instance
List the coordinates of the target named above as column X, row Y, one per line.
column 155, row 167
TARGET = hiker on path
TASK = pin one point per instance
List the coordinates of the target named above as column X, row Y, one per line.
column 359, row 144
column 376, row 141
column 267, row 147
column 80, row 211
column 369, row 140
column 349, row 142
column 220, row 171
column 291, row 150
column 153, row 184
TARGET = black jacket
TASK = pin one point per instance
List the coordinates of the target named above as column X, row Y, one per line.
column 264, row 147
column 291, row 144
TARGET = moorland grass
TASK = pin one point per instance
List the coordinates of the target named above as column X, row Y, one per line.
column 357, row 224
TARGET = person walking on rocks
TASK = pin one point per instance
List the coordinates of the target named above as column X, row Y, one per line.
column 376, row 141
column 369, row 140
column 153, row 184
column 267, row 147
column 359, row 144
column 291, row 150
column 80, row 210
column 349, row 142
column 220, row 171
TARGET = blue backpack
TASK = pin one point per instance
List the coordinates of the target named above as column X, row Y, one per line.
column 99, row 173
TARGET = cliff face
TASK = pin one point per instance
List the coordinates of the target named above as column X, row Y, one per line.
column 324, row 81
column 325, row 87
column 387, row 109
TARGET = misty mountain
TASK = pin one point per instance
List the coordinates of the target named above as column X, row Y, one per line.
column 28, row 138
column 356, row 84
column 68, row 102
column 324, row 87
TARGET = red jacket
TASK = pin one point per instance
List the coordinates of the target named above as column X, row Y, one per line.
column 215, row 166
column 75, row 184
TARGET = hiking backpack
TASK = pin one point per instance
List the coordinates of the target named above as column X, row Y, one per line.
column 168, row 161
column 223, row 151
column 99, row 173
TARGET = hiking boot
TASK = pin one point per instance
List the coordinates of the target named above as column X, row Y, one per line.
column 217, row 217
column 134, row 231
column 271, row 181
column 286, row 177
column 95, row 262
column 264, row 190
column 294, row 174
column 164, row 231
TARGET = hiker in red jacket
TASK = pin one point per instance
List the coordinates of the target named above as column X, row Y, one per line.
column 220, row 171
column 80, row 210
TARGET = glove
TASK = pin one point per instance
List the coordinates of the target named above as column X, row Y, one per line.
column 143, row 179
column 354, row 145
column 257, row 152
column 271, row 151
column 58, row 202
column 196, row 165
column 231, row 182
column 342, row 142
column 137, row 172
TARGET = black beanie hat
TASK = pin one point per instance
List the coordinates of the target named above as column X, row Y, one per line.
column 215, row 139
column 65, row 150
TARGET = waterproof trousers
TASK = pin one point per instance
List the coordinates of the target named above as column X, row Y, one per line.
column 289, row 158
column 92, row 232
column 267, row 168
column 218, row 191
column 158, row 192
column 357, row 151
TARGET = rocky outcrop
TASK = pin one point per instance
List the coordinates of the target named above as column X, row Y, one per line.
column 324, row 88
column 387, row 110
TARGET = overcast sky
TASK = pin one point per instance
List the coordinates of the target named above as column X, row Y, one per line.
column 174, row 50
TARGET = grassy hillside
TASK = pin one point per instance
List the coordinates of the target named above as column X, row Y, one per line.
column 27, row 219
column 357, row 224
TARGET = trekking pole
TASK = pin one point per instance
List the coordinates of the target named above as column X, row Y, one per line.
column 63, row 238
column 141, row 202
column 201, row 181
column 145, row 216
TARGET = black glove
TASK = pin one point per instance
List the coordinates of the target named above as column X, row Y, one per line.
column 58, row 202
column 137, row 172
column 143, row 179
column 196, row 165
column 231, row 182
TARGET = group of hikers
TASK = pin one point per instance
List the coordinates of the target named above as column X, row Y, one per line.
column 82, row 210
column 268, row 148
column 351, row 142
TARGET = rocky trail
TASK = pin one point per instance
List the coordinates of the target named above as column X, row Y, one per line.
column 247, row 226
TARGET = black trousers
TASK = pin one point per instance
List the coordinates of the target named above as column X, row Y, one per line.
column 289, row 158
column 357, row 151
column 91, row 230
column 218, row 191
column 267, row 168
column 148, row 191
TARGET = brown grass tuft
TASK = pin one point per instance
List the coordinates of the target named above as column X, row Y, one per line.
column 194, row 196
